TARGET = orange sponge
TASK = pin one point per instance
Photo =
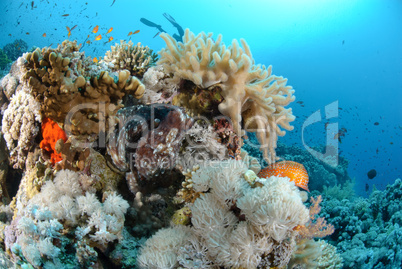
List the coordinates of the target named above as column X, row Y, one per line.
column 51, row 133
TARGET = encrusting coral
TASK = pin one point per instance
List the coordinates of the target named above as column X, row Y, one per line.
column 252, row 96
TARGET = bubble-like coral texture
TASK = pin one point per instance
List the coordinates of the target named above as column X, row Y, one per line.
column 236, row 225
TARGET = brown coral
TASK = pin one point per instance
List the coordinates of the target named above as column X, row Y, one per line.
column 58, row 78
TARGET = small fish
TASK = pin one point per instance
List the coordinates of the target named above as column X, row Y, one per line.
column 32, row 5
column 95, row 30
column 108, row 31
column 376, row 123
column 113, row 3
column 44, row 35
column 367, row 187
column 89, row 42
column 372, row 174
column 156, row 34
column 293, row 170
column 110, row 39
column 27, row 33
column 75, row 26
column 65, row 15
column 69, row 31
column 99, row 37
column 136, row 32
column 130, row 33
column 95, row 60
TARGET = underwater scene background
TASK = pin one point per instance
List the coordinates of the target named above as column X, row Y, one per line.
column 187, row 150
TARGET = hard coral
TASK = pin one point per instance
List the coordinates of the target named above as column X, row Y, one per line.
column 51, row 133
column 4, row 61
column 252, row 96
column 58, row 78
column 15, row 49
column 134, row 58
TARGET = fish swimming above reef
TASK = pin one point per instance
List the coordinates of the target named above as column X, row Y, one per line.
column 293, row 170
column 95, row 30
column 372, row 174
column 110, row 29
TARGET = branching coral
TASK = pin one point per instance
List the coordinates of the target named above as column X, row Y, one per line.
column 252, row 95
column 134, row 58
column 58, row 81
column 315, row 227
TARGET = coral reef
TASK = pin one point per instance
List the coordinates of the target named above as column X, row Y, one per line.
column 134, row 58
column 123, row 164
column 251, row 94
column 158, row 87
column 20, row 126
column 58, row 78
column 157, row 152
column 368, row 231
column 64, row 208
column 4, row 61
column 320, row 173
column 234, row 224
column 15, row 49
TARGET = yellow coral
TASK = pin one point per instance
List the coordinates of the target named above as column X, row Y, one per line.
column 251, row 93
column 182, row 216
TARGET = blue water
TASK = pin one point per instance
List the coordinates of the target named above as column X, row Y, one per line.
column 336, row 50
